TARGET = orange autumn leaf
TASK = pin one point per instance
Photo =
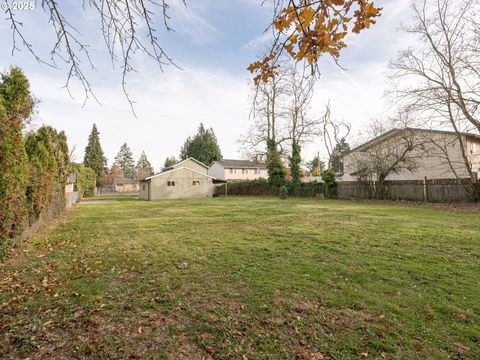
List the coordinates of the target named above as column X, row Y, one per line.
column 306, row 29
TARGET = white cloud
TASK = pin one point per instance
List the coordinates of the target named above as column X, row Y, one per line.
column 186, row 20
column 169, row 107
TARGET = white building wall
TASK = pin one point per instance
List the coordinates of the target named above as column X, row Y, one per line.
column 183, row 188
column 430, row 163
column 245, row 174
column 217, row 171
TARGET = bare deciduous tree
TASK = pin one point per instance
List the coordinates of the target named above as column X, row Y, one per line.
column 280, row 112
column 334, row 133
column 127, row 26
column 302, row 126
column 440, row 77
column 390, row 152
column 268, row 114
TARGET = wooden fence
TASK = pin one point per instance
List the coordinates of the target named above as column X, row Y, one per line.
column 444, row 190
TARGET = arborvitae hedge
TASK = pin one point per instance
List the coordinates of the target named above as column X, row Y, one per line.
column 15, row 106
column 262, row 187
column 33, row 168
column 86, row 180
column 49, row 166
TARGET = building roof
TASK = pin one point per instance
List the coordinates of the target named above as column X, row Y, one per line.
column 124, row 180
column 241, row 164
column 391, row 133
column 182, row 161
column 177, row 169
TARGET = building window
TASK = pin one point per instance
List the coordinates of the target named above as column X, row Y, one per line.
column 143, row 187
column 195, row 183
column 244, row 171
column 257, row 171
column 170, row 183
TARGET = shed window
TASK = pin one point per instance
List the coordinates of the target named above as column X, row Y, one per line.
column 195, row 183
column 143, row 187
column 170, row 183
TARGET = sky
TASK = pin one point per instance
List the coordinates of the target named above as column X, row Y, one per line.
column 213, row 43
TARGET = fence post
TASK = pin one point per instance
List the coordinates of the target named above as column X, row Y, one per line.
column 425, row 190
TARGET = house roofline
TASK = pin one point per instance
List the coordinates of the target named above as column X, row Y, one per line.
column 392, row 132
column 190, row 158
column 177, row 169
column 258, row 166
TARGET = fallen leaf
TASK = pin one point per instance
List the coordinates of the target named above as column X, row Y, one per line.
column 206, row 336
column 47, row 323
column 461, row 316
column 461, row 347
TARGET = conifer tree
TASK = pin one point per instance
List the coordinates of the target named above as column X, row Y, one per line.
column 144, row 168
column 94, row 157
column 295, row 161
column 203, row 146
column 169, row 161
column 124, row 160
column 276, row 171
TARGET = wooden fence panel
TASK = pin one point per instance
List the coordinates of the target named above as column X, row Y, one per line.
column 445, row 190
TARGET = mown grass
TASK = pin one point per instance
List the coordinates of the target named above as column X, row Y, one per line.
column 266, row 278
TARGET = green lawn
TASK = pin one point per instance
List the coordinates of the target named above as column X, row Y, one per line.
column 266, row 278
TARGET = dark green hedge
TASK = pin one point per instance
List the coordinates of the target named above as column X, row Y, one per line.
column 33, row 167
column 86, row 180
column 262, row 188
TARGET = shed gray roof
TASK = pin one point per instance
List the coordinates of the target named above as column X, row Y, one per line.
column 231, row 163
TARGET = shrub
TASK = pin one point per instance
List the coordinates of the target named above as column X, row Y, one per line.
column 258, row 187
column 283, row 192
column 86, row 180
column 330, row 186
column 49, row 166
column 15, row 107
column 310, row 189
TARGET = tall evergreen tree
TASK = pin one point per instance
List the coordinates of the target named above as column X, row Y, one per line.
column 169, row 161
column 203, row 146
column 124, row 160
column 143, row 168
column 94, row 157
column 336, row 159
column 276, row 171
column 294, row 162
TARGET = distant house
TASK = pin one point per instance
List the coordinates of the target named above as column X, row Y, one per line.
column 71, row 193
column 438, row 157
column 122, row 185
column 228, row 169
